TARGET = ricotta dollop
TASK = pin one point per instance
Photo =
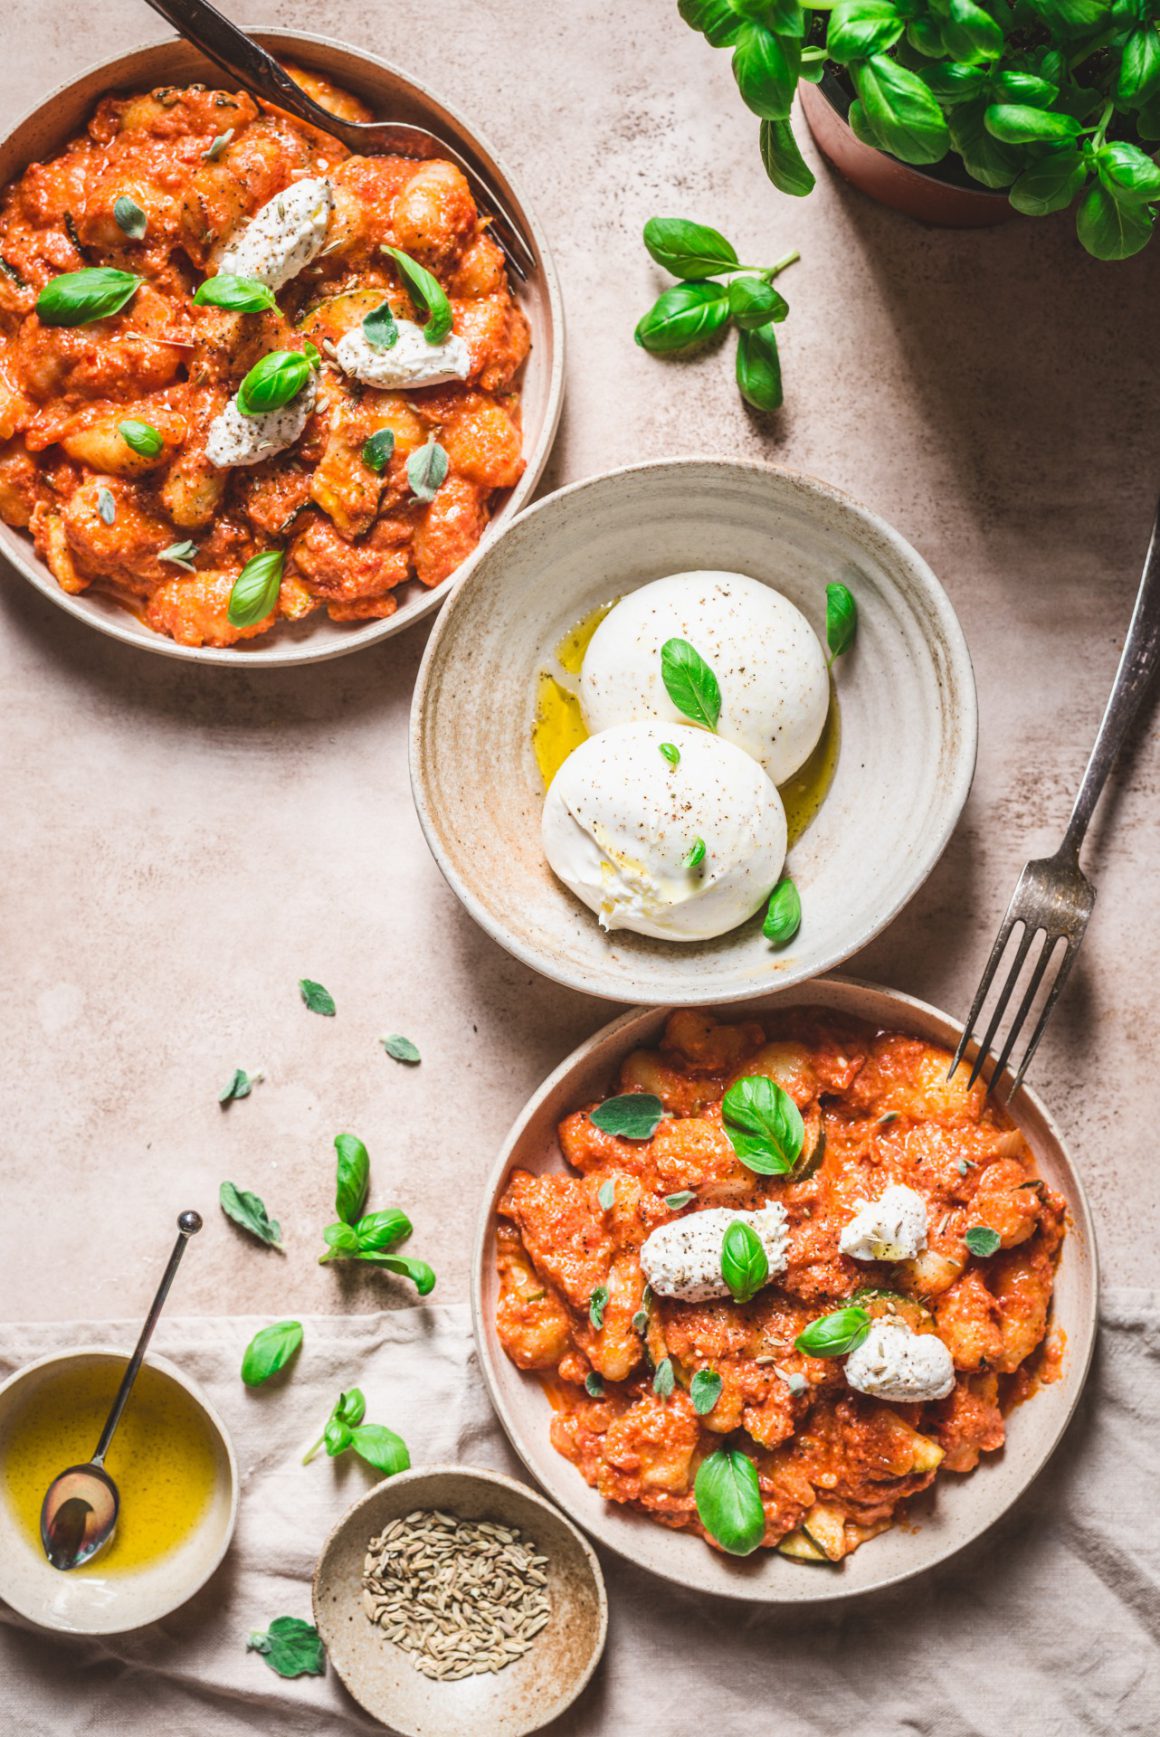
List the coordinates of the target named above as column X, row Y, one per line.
column 891, row 1228
column 410, row 361
column 283, row 236
column 892, row 1362
column 683, row 1258
column 237, row 439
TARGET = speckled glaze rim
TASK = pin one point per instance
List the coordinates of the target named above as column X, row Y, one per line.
column 285, row 652
column 192, row 1389
column 521, row 1493
column 955, row 793
column 844, row 996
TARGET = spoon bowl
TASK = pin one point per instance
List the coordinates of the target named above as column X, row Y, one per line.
column 79, row 1514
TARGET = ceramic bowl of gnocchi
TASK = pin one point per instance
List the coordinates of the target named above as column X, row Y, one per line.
column 262, row 399
column 773, row 1307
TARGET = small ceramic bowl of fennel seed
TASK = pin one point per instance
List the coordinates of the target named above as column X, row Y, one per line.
column 453, row 1601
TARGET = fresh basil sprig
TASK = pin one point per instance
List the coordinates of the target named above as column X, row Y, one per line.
column 690, row 683
column 270, row 1350
column 631, row 1116
column 744, row 1262
column 249, row 1211
column 691, row 312
column 728, row 1497
column 129, row 217
column 371, row 1237
column 78, row 297
column 237, row 295
column 841, row 620
column 255, row 590
column 835, row 1334
column 345, row 1431
column 290, row 1647
column 427, row 294
column 783, row 915
column 273, row 381
column 427, row 470
column 764, row 1125
column 140, row 437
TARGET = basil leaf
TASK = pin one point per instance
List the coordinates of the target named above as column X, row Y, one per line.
column 341, row 1243
column 728, row 1497
column 859, row 28
column 984, row 158
column 1139, row 73
column 238, row 295
column 971, row 33
column 1127, row 172
column 336, row 1436
column 783, row 916
column 249, row 1211
column 269, row 1350
column 379, row 328
column 256, row 589
column 833, row 1335
column 764, row 1125
column 841, row 620
column 352, row 1177
column 982, row 1240
column 291, row 1647
column 684, row 317
column 217, row 146
column 640, row 1319
column 716, row 20
column 351, row 1406
column 594, row 1385
column 766, row 69
column 381, row 1448
column 272, row 382
column 426, row 293
column 1020, row 124
column 181, row 555
column 427, row 470
column 753, row 301
column 759, row 369
column 129, row 217
column 382, row 1230
column 1112, row 228
column 376, row 452
column 899, row 112
column 784, row 163
column 631, row 1116
column 682, row 1197
column 317, row 999
column 1050, row 184
column 664, row 1379
column 141, row 437
column 744, row 1262
column 695, row 856
column 606, row 1195
column 690, row 683
column 401, row 1049
column 671, row 753
column 783, row 17
column 705, row 1390
column 689, row 250
column 420, row 1274
column 239, row 1085
column 951, row 82
column 1023, row 87
column 597, row 1303
column 77, row 297
column 813, row 68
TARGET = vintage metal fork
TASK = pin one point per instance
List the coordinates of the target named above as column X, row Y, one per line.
column 1054, row 897
column 229, row 47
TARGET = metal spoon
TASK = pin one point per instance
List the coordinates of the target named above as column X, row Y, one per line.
column 79, row 1511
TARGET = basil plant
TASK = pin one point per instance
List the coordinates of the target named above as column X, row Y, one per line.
column 1057, row 101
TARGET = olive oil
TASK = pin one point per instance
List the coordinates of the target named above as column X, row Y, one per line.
column 559, row 728
column 162, row 1458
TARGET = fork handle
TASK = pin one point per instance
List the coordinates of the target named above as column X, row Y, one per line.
column 236, row 53
column 1138, row 663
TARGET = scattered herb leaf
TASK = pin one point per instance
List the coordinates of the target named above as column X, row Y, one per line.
column 273, row 381
column 217, row 146
column 106, row 505
column 181, row 554
column 249, row 1211
column 607, row 1195
column 597, row 1303
column 238, row 295
column 129, row 217
column 317, row 999
column 744, row 1262
column 352, row 1177
column 256, row 588
column 695, row 855
column 401, row 1049
column 269, row 1350
column 290, row 1647
column 376, row 452
column 664, row 1379
column 141, row 437
column 705, row 1390
column 380, row 329
column 239, row 1085
column 631, row 1116
column 690, row 683
column 841, row 620
column 427, row 470
column 834, row 1334
column 682, row 1197
column 671, row 753
column 783, row 916
column 982, row 1240
column 594, row 1385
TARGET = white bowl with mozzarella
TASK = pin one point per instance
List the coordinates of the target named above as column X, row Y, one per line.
column 906, row 697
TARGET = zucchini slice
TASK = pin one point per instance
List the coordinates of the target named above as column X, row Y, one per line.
column 800, row 1548
column 825, row 1527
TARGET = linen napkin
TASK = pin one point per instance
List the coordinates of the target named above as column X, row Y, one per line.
column 1048, row 1624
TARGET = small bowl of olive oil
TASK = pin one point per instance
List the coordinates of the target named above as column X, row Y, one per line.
column 175, row 1469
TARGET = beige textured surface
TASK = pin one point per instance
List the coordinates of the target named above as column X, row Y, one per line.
column 179, row 847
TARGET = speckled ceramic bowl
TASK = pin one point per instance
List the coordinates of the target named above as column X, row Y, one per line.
column 381, row 1677
column 391, row 94
column 906, row 695
column 88, row 1601
column 937, row 1524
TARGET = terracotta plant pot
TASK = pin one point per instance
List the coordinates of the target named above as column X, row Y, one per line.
column 942, row 195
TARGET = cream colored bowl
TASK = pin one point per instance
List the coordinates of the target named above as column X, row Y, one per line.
column 906, row 693
column 391, row 95
column 937, row 1524
column 87, row 1601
